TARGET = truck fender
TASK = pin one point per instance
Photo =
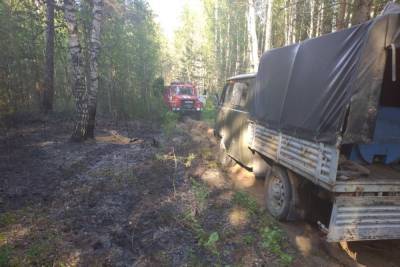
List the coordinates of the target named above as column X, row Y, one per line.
column 260, row 166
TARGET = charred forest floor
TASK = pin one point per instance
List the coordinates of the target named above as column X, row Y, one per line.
column 137, row 196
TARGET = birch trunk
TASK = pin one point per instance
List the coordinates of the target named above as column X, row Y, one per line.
column 251, row 22
column 287, row 19
column 95, row 46
column 312, row 18
column 77, row 72
column 48, row 93
column 268, row 26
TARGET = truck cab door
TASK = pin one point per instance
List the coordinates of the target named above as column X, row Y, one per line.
column 223, row 106
column 238, row 121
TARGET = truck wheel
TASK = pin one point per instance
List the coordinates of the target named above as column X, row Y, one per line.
column 278, row 193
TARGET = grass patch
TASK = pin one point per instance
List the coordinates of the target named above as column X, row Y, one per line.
column 40, row 252
column 209, row 112
column 246, row 201
column 7, row 219
column 169, row 121
column 188, row 160
column 272, row 239
column 201, row 192
column 5, row 256
column 248, row 239
column 208, row 241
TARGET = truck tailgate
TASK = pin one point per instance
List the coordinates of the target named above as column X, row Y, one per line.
column 365, row 218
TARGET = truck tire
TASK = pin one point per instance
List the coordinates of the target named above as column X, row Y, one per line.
column 278, row 193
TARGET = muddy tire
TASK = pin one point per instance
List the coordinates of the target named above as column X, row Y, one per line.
column 278, row 193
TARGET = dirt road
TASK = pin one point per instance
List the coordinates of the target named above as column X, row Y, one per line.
column 139, row 197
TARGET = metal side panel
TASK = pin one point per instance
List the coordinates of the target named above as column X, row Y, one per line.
column 365, row 218
column 315, row 161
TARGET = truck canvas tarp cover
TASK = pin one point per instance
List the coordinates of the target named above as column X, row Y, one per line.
column 308, row 89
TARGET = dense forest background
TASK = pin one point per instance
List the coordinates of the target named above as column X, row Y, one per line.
column 122, row 71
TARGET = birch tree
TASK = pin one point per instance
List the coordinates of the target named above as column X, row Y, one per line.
column 95, row 45
column 268, row 26
column 77, row 73
column 85, row 98
column 252, row 32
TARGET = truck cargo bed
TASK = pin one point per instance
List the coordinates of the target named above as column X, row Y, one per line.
column 319, row 162
column 381, row 179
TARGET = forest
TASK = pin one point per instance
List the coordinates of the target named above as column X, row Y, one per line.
column 96, row 171
column 111, row 57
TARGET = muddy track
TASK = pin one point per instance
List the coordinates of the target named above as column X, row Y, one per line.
column 138, row 197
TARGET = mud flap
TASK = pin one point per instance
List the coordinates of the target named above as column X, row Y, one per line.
column 365, row 218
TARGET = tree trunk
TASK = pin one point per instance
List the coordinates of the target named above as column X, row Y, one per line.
column 327, row 18
column 361, row 10
column 77, row 72
column 341, row 18
column 287, row 22
column 251, row 22
column 311, row 29
column 95, row 46
column 48, row 92
column 268, row 26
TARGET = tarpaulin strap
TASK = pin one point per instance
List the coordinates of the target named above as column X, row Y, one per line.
column 393, row 62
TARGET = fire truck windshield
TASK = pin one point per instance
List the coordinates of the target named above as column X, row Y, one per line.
column 183, row 90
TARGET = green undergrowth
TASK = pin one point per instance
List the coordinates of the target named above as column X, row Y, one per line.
column 246, row 201
column 5, row 256
column 209, row 112
column 169, row 121
column 207, row 240
column 271, row 237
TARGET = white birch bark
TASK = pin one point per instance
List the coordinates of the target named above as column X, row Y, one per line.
column 268, row 26
column 251, row 22
column 95, row 46
column 77, row 72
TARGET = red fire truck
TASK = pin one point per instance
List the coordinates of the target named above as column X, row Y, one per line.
column 183, row 98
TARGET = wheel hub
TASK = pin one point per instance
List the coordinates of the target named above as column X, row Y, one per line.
column 277, row 193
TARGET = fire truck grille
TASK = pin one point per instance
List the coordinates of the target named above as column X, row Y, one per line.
column 187, row 104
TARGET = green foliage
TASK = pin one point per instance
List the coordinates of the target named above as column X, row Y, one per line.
column 210, row 112
column 272, row 238
column 7, row 219
column 129, row 65
column 208, row 241
column 169, row 121
column 40, row 252
column 211, row 243
column 189, row 159
column 246, row 201
column 248, row 239
column 201, row 192
column 5, row 256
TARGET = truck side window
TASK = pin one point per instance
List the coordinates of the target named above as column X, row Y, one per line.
column 228, row 94
column 239, row 94
column 243, row 99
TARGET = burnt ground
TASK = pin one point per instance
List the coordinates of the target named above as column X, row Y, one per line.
column 139, row 197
